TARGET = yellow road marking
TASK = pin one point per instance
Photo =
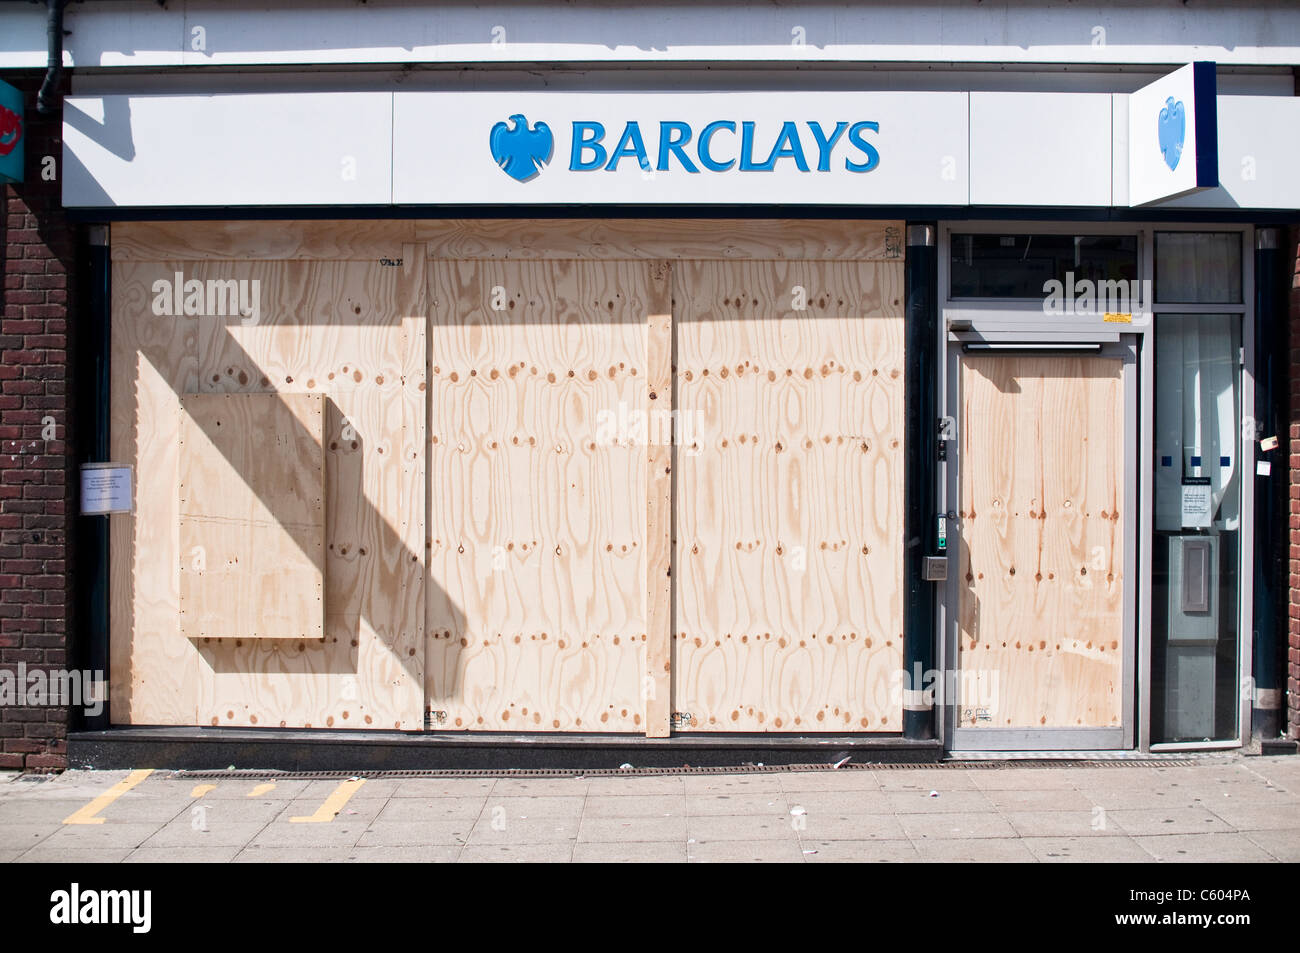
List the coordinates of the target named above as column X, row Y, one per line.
column 86, row 815
column 202, row 789
column 333, row 804
column 261, row 789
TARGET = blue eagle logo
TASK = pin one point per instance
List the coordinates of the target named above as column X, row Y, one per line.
column 521, row 151
column 1171, row 129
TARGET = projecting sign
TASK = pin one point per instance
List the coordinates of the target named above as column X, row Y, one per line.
column 13, row 130
column 1173, row 135
column 652, row 148
column 106, row 488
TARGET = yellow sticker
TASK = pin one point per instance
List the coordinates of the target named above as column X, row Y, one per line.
column 1114, row 317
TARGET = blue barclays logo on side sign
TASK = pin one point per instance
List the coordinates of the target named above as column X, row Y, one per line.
column 1171, row 128
column 523, row 152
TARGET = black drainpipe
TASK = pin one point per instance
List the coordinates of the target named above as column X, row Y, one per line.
column 94, row 529
column 1271, row 550
column 47, row 100
column 920, row 454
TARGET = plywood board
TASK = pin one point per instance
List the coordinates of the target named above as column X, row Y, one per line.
column 537, row 526
column 261, row 240
column 681, row 239
column 1041, row 641
column 155, row 673
column 352, row 332
column 252, row 511
column 658, row 688
column 788, row 559
column 502, row 239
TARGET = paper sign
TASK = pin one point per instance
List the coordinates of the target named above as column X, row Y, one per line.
column 1118, row 317
column 1268, row 443
column 1197, row 506
column 106, row 488
column 1263, row 468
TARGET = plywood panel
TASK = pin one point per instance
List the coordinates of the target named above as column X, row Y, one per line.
column 659, row 514
column 501, row 239
column 155, row 673
column 352, row 332
column 1041, row 559
column 729, row 239
column 260, row 240
column 789, row 560
column 537, row 527
column 252, row 511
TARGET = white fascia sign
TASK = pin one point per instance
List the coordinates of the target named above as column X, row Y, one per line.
column 825, row 148
column 1173, row 135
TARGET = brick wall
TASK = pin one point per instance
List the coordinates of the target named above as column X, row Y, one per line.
column 35, row 473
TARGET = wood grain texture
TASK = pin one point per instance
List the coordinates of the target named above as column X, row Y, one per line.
column 788, row 560
column 260, row 240
column 537, row 536
column 1041, row 558
column 155, row 673
column 659, row 514
column 352, row 332
column 650, row 239
column 252, row 516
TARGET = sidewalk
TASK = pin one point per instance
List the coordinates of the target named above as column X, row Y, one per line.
column 1222, row 808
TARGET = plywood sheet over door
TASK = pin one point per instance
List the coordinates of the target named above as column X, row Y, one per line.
column 537, row 477
column 789, row 498
column 1041, row 641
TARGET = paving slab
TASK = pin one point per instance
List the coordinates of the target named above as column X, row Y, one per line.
column 825, row 781
column 516, row 807
column 1283, row 846
column 835, row 826
column 1023, row 779
column 744, row 852
column 732, row 784
column 1191, row 820
column 434, row 808
column 642, row 787
column 254, row 854
column 979, row 850
column 1051, row 799
column 448, row 833
column 630, row 830
column 859, row 852
column 181, row 834
column 944, row 802
column 444, row 787
column 1197, row 848
column 950, row 826
column 100, row 836
column 558, row 853
column 22, row 837
column 636, row 805
column 1120, row 849
column 644, row 852
column 210, row 854
column 758, row 805
column 722, row 827
column 534, row 830
column 42, row 854
column 1063, row 824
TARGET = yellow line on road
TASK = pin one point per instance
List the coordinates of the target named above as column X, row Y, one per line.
column 202, row 789
column 86, row 815
column 333, row 804
column 261, row 789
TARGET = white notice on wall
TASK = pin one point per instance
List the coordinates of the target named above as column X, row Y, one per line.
column 1197, row 506
column 105, row 488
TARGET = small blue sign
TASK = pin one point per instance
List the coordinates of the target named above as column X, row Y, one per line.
column 13, row 129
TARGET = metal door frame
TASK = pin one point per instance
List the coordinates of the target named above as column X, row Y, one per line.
column 1113, row 346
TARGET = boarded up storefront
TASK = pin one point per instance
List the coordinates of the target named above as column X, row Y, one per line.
column 585, row 476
